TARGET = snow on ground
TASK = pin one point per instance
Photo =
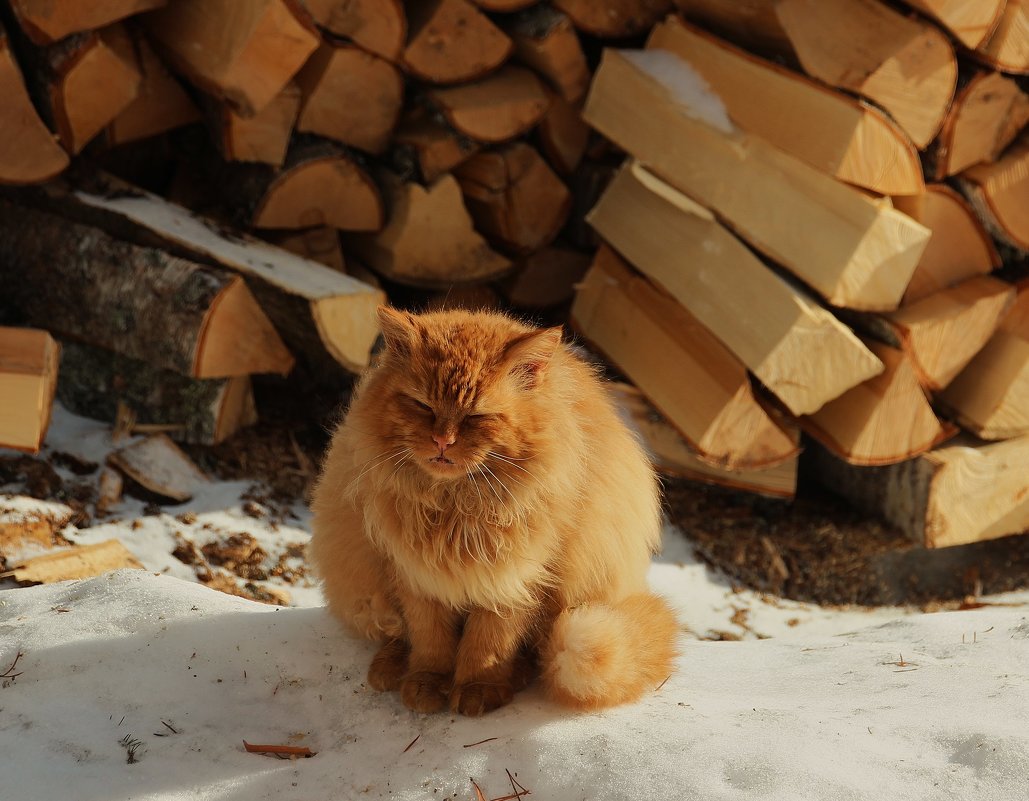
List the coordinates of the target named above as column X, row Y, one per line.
column 840, row 703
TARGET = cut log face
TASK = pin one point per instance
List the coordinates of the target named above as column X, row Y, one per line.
column 28, row 379
column 379, row 26
column 614, row 19
column 853, row 250
column 450, row 41
column 545, row 40
column 960, row 247
column 426, row 144
column 30, row 151
column 999, row 193
column 546, row 278
column 159, row 466
column 1008, row 48
column 79, row 562
column 263, row 137
column 243, row 52
column 803, row 354
column 964, row 491
column 852, row 141
column 884, row 420
column 708, row 397
column 942, row 332
column 991, row 395
column 563, row 135
column 429, row 240
column 46, row 21
column 317, row 244
column 350, row 96
column 672, row 456
column 514, row 197
column 970, row 23
column 495, row 109
column 986, row 116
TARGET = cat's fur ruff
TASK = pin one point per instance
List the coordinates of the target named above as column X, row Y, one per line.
column 533, row 542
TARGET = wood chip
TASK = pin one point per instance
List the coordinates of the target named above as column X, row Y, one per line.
column 75, row 563
column 160, row 466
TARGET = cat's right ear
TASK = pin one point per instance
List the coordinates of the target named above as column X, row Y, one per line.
column 398, row 330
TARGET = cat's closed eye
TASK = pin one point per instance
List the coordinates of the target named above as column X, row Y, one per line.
column 423, row 406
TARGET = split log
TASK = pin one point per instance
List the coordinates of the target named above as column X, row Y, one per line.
column 318, row 184
column 586, row 184
column 546, row 278
column 969, row 23
column 424, row 145
column 856, row 251
column 30, row 151
column 262, row 137
column 161, row 104
column 503, row 6
column 990, row 397
column 379, row 26
column 429, row 240
column 884, row 420
column 317, row 244
column 985, row 117
column 28, row 380
column 673, row 457
column 82, row 561
column 1007, row 49
column 999, row 193
column 141, row 302
column 797, row 349
column 943, row 331
column 27, row 522
column 244, row 51
column 545, row 40
column 707, row 397
column 325, row 318
column 159, row 466
column 495, row 109
column 514, row 197
column 95, row 383
column 964, row 491
column 45, row 21
column 351, row 96
column 563, row 135
column 450, row 41
column 614, row 19
column 905, row 65
column 852, row 140
column 960, row 247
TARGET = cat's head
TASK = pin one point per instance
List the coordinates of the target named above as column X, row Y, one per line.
column 460, row 391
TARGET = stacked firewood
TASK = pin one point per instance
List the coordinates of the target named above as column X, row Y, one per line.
column 814, row 238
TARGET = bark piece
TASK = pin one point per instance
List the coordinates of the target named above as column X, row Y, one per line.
column 546, row 278
column 244, row 51
column 351, row 96
column 159, row 466
column 797, row 349
column 563, row 135
column 707, row 397
column 82, row 561
column 46, row 21
column 1007, row 49
column 852, row 140
column 960, row 247
column 494, row 109
column 903, row 64
column 450, row 41
column 97, row 383
column 26, row 521
column 379, row 26
column 999, row 193
column 545, row 40
column 30, row 152
column 141, row 302
column 262, row 137
column 884, row 420
column 28, row 379
column 969, row 23
column 514, row 197
column 964, row 491
column 429, row 240
column 427, row 146
column 614, row 19
column 855, row 251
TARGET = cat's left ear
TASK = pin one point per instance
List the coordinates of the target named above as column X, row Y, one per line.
column 528, row 355
column 398, row 329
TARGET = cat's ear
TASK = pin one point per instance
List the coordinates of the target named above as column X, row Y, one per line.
column 399, row 329
column 528, row 355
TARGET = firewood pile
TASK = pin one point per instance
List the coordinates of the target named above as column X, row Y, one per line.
column 790, row 224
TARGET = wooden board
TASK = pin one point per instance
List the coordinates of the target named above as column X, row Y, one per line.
column 82, row 561
column 28, row 379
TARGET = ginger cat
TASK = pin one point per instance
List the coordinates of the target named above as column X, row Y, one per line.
column 482, row 508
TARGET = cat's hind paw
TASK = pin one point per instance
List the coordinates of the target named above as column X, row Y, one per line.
column 424, row 691
column 478, row 698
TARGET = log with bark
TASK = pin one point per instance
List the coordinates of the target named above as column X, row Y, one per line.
column 999, row 193
column 424, row 145
column 707, row 397
column 379, row 26
column 545, row 40
column 614, row 19
column 450, row 41
column 855, row 251
column 263, row 136
column 28, row 379
column 970, row 23
column 1007, row 48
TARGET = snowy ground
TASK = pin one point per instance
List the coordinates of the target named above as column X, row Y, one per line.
column 839, row 704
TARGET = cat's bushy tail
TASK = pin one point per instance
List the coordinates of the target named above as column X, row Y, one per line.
column 601, row 655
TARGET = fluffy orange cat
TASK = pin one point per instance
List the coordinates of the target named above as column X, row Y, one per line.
column 483, row 510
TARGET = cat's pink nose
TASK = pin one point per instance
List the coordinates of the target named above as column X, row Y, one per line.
column 444, row 440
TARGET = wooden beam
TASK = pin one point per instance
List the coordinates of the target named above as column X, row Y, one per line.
column 28, row 379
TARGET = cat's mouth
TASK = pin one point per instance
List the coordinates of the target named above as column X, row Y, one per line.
column 441, row 460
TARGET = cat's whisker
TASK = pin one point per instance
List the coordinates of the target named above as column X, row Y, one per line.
column 406, row 455
column 476, row 486
column 500, row 458
column 377, row 460
column 490, row 483
column 499, row 481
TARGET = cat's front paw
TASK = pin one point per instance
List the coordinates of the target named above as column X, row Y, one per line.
column 424, row 691
column 478, row 698
column 388, row 667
